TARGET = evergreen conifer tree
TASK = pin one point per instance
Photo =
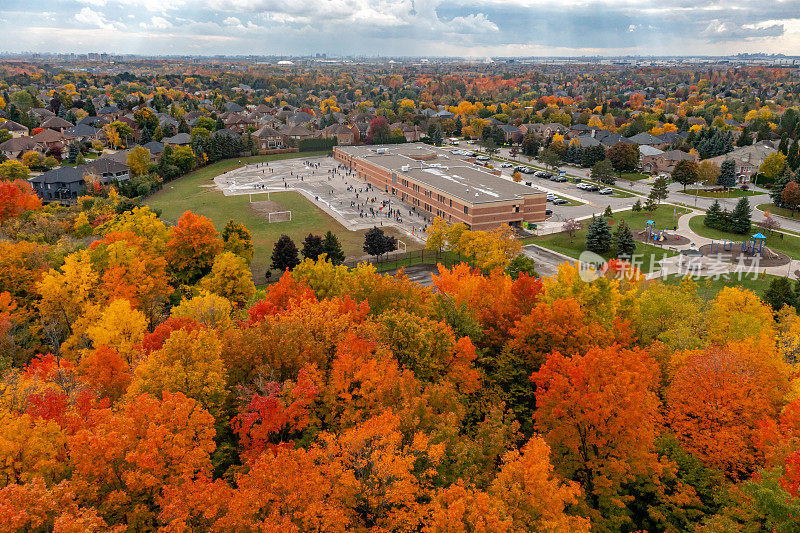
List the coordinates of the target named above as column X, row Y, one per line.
column 740, row 221
column 598, row 236
column 333, row 248
column 727, row 174
column 624, row 244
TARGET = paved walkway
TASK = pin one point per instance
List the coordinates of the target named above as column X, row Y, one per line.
column 709, row 265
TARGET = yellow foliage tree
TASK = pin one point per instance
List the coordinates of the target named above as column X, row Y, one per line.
column 210, row 309
column 189, row 362
column 118, row 326
column 230, row 278
column 139, row 160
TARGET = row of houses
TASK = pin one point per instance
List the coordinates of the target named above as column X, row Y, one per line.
column 65, row 184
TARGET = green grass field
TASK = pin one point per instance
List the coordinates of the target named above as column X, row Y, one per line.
column 708, row 287
column 732, row 193
column 188, row 194
column 788, row 244
column 780, row 211
column 647, row 253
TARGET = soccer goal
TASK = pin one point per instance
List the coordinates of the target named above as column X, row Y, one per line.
column 280, row 216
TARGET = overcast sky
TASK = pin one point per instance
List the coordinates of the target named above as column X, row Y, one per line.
column 473, row 28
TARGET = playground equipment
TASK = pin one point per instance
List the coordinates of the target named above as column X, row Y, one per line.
column 754, row 245
column 652, row 234
column 721, row 246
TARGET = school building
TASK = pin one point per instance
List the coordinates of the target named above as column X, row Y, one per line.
column 444, row 185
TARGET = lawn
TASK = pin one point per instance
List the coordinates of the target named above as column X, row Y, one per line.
column 780, row 211
column 648, row 254
column 186, row 193
column 731, row 193
column 708, row 287
column 633, row 176
column 788, row 244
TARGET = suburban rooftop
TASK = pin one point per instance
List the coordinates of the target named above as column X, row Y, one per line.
column 441, row 170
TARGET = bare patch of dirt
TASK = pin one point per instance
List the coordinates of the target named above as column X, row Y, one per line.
column 265, row 207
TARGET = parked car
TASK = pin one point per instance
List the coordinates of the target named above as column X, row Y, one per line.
column 506, row 165
column 482, row 158
column 528, row 170
column 606, row 190
column 560, row 201
column 558, row 179
column 541, row 174
column 591, row 187
column 551, row 197
column 583, row 186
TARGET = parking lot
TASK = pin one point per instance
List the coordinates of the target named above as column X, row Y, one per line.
column 593, row 203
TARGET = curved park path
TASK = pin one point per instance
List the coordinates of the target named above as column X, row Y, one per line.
column 708, row 266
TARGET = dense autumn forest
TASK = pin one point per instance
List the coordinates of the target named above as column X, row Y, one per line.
column 147, row 385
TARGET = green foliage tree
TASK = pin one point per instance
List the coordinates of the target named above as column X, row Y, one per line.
column 603, row 171
column 714, row 215
column 333, row 248
column 521, row 264
column 685, row 172
column 782, row 292
column 623, row 156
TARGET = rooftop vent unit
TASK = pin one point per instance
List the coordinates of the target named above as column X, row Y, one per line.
column 405, row 168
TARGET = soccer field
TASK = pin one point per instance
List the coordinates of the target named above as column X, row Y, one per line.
column 196, row 192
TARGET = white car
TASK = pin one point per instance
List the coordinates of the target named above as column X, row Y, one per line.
column 506, row 165
column 606, row 190
column 551, row 197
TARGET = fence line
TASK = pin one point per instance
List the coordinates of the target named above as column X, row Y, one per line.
column 393, row 260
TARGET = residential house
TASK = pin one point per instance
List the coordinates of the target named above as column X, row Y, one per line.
column 108, row 169
column 83, row 133
column 238, row 122
column 664, row 163
column 63, row 184
column 345, row 135
column 508, row 130
column 645, row 139
column 111, row 111
column 66, row 184
column 268, row 138
column 298, row 133
column 748, row 159
column 181, row 139
column 51, row 139
column 646, row 149
column 155, row 148
column 56, row 124
column 14, row 128
column 411, row 133
column 15, row 147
